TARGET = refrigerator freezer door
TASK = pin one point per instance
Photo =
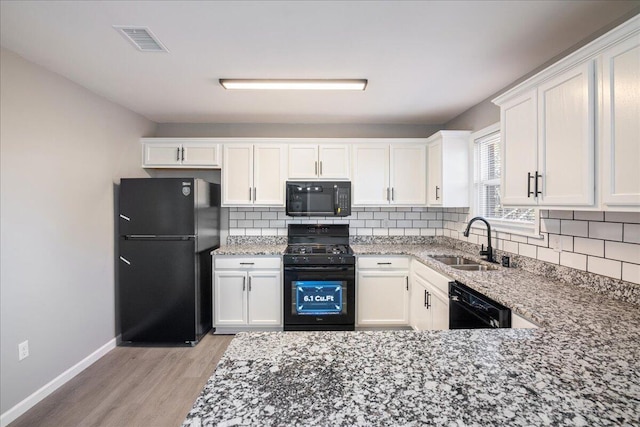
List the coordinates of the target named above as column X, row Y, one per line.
column 160, row 207
column 157, row 291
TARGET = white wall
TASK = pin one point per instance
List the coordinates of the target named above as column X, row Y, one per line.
column 62, row 149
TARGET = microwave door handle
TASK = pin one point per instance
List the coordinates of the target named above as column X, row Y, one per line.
column 335, row 200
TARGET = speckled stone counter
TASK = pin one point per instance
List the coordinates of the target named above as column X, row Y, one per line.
column 582, row 367
column 256, row 249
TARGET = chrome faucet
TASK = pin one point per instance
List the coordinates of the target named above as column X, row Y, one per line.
column 489, row 252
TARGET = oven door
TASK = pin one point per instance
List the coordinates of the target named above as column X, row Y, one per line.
column 319, row 298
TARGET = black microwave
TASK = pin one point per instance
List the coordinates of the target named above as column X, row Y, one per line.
column 322, row 198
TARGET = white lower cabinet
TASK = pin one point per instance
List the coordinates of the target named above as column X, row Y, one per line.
column 429, row 298
column 247, row 293
column 382, row 291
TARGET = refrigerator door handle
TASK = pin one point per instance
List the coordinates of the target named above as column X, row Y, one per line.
column 125, row 217
column 126, row 261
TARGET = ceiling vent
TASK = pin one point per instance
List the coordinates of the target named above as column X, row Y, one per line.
column 142, row 38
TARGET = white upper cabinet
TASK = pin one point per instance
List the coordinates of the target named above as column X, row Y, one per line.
column 254, row 174
column 324, row 161
column 202, row 153
column 620, row 130
column 553, row 122
column 386, row 174
column 519, row 123
column 448, row 169
column 548, row 142
column 566, row 135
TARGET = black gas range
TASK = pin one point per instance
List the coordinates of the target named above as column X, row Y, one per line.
column 319, row 278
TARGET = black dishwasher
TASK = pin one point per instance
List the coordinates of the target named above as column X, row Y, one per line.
column 469, row 309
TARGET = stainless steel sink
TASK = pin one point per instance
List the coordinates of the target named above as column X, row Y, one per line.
column 474, row 267
column 453, row 260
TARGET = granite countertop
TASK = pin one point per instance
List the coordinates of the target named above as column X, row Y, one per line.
column 248, row 250
column 581, row 367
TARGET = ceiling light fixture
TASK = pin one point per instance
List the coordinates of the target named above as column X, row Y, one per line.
column 295, row 84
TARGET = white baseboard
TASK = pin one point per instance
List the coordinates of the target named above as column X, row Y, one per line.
column 28, row 403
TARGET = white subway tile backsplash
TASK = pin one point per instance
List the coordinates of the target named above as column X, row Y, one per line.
column 277, row 223
column 573, row 260
column 605, row 267
column 527, row 250
column 548, row 225
column 411, row 231
column 518, row 238
column 380, row 232
column 396, row 215
column 428, row 215
column 510, row 246
column 381, row 215
column 588, row 246
column 403, row 209
column 365, row 215
column 404, row 223
column 631, row 272
column 261, row 223
column 236, row 232
column 269, row 231
column 236, row 215
column 269, row 215
column 561, row 214
column 387, row 209
column 435, row 224
column 574, row 228
column 245, row 209
column 427, row 231
column 233, row 223
column 412, row 215
column 420, row 224
column 253, row 215
column 548, row 255
column 588, row 216
column 365, row 232
column 245, row 223
column 372, row 223
column 396, row 232
column 631, row 233
column 358, row 223
column 253, row 232
column 543, row 240
column 632, row 217
column 605, row 230
column 628, row 252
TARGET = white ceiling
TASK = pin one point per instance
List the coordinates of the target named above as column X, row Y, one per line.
column 426, row 61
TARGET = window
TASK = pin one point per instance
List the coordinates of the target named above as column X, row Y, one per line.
column 487, row 196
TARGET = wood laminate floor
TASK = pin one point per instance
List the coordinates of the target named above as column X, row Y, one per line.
column 132, row 386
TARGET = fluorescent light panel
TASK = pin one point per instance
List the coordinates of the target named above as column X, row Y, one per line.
column 296, row 84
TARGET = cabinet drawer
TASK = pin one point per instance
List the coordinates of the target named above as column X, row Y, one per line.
column 241, row 262
column 438, row 280
column 384, row 262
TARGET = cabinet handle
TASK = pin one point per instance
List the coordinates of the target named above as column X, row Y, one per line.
column 316, row 167
column 427, row 299
column 249, row 283
column 254, row 194
column 182, row 151
column 388, row 198
column 437, row 189
column 320, row 167
column 247, row 263
column 244, row 282
column 392, row 198
column 536, row 187
column 529, row 193
column 407, row 279
column 249, row 193
column 384, row 263
column 178, row 154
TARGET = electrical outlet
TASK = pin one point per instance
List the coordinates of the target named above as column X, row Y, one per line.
column 23, row 350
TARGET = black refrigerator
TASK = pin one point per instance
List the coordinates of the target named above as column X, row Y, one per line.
column 167, row 229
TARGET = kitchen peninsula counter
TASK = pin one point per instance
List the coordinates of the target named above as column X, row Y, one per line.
column 581, row 367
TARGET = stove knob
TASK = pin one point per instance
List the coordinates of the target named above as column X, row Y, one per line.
column 305, row 259
column 331, row 259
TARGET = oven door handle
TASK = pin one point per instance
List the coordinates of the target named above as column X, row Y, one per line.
column 303, row 269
